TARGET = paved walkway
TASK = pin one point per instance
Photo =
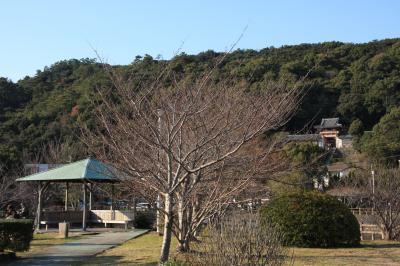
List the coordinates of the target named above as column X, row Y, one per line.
column 79, row 250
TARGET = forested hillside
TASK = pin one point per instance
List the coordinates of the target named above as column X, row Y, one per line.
column 357, row 82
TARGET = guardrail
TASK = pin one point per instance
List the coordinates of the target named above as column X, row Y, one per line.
column 369, row 230
column 372, row 230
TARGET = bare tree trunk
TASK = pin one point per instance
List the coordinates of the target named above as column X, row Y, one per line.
column 386, row 235
column 39, row 207
column 184, row 245
column 195, row 208
column 183, row 227
column 134, row 201
column 189, row 234
column 168, row 221
column 387, row 232
column 158, row 216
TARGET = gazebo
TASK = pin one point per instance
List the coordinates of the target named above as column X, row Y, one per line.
column 88, row 172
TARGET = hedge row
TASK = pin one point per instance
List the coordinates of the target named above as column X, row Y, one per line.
column 15, row 234
column 145, row 219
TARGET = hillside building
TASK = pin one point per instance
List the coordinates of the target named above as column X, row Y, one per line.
column 329, row 130
column 328, row 135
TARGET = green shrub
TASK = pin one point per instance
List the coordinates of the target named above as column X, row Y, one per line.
column 312, row 219
column 15, row 234
column 144, row 220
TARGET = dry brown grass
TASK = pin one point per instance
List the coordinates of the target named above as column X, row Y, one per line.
column 370, row 253
column 145, row 250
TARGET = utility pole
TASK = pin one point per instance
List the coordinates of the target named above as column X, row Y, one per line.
column 373, row 182
column 373, row 189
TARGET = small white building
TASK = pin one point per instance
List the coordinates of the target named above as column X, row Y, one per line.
column 344, row 141
column 339, row 169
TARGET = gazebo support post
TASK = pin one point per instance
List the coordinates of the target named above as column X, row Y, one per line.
column 66, row 196
column 84, row 207
column 90, row 196
column 89, row 187
column 112, row 197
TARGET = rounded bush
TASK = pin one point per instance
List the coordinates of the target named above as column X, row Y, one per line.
column 312, row 219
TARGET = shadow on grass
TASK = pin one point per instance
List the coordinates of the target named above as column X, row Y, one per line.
column 64, row 260
column 111, row 260
column 379, row 245
column 118, row 260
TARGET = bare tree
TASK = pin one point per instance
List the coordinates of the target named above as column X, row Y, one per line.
column 241, row 177
column 9, row 191
column 384, row 196
column 55, row 151
column 175, row 135
column 379, row 190
column 239, row 239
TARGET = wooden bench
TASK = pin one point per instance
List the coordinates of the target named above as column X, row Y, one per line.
column 125, row 223
column 112, row 217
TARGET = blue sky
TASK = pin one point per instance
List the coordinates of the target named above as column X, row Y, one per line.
column 39, row 33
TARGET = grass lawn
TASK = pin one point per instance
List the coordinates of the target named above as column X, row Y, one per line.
column 145, row 250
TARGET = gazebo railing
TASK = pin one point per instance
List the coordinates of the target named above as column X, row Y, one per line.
column 93, row 215
column 62, row 216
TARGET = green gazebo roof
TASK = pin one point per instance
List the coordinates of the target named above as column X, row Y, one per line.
column 88, row 169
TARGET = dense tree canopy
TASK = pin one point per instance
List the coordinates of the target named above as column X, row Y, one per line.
column 384, row 141
column 307, row 166
column 353, row 81
column 12, row 96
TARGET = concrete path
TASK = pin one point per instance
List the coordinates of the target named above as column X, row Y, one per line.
column 79, row 250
